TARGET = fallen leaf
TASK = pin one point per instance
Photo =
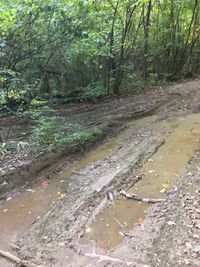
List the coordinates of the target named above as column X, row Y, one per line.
column 151, row 171
column 45, row 184
column 30, row 190
column 140, row 219
column 121, row 233
column 163, row 190
column 61, row 197
column 165, row 185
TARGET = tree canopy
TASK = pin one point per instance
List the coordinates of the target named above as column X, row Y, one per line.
column 89, row 48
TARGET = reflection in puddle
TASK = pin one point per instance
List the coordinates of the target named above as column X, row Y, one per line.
column 17, row 214
column 159, row 173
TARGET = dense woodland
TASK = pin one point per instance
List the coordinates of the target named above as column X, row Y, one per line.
column 86, row 49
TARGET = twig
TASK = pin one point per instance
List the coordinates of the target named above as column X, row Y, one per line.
column 138, row 198
column 106, row 258
column 122, row 228
column 79, row 173
column 17, row 260
column 9, row 131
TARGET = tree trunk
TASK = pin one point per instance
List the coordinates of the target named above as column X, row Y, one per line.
column 146, row 36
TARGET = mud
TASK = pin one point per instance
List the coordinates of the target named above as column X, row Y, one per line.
column 16, row 169
column 158, row 175
column 88, row 193
column 146, row 159
column 36, row 200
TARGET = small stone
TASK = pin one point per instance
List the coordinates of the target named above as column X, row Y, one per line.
column 88, row 230
column 197, row 249
column 62, row 244
column 196, row 236
column 171, row 223
column 188, row 245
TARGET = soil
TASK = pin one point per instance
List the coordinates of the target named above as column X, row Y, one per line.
column 169, row 233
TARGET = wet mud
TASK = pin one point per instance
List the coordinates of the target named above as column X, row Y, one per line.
column 77, row 215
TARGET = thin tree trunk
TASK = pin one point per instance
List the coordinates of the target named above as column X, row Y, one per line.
column 146, row 37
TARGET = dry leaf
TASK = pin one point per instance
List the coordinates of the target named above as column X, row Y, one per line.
column 61, row 197
column 151, row 171
column 163, row 190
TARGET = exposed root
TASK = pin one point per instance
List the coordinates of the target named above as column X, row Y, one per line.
column 143, row 199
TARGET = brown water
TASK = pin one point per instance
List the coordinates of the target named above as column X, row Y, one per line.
column 17, row 214
column 159, row 173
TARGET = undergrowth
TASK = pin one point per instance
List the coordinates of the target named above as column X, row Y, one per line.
column 54, row 132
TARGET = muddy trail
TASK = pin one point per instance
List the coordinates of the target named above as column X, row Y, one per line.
column 79, row 217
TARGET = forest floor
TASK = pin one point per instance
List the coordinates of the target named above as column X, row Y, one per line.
column 66, row 209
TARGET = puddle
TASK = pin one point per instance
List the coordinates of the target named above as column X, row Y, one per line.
column 159, row 173
column 163, row 169
column 17, row 214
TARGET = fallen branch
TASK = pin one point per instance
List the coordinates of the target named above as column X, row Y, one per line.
column 17, row 260
column 122, row 228
column 79, row 173
column 143, row 199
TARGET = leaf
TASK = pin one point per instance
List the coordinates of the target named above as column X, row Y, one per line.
column 140, row 219
column 163, row 190
column 45, row 184
column 61, row 197
column 151, row 171
column 165, row 185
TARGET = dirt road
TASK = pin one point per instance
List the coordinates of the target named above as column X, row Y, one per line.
column 88, row 222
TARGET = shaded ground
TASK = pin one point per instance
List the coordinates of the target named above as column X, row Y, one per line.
column 56, row 239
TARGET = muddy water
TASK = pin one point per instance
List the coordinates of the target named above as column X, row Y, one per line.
column 17, row 214
column 159, row 174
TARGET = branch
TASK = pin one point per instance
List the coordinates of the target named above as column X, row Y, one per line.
column 138, row 198
column 17, row 260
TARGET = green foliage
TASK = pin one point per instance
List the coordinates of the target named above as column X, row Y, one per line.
column 54, row 47
column 55, row 132
column 6, row 149
column 94, row 91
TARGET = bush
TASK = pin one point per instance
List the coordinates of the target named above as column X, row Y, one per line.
column 94, row 91
column 55, row 131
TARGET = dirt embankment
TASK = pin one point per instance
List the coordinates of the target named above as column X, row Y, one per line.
column 15, row 170
column 57, row 239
